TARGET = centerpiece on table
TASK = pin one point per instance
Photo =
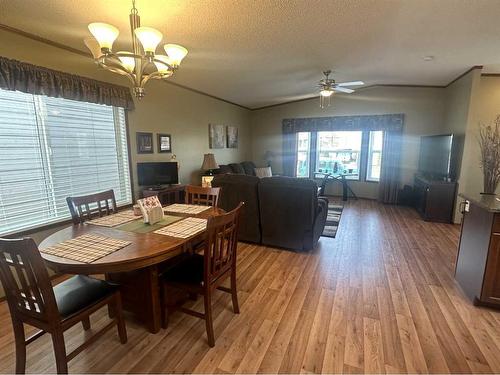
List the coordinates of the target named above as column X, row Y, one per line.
column 151, row 209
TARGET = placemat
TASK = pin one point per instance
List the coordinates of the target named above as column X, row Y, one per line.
column 186, row 208
column 86, row 248
column 139, row 226
column 115, row 219
column 185, row 228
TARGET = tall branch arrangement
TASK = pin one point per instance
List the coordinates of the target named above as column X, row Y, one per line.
column 489, row 142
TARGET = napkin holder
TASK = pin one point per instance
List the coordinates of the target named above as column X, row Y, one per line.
column 151, row 209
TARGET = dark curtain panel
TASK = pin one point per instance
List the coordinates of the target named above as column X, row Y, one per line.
column 289, row 153
column 390, row 168
column 32, row 79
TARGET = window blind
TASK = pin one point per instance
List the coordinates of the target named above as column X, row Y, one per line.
column 52, row 148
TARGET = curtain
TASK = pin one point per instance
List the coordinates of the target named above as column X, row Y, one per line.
column 289, row 153
column 32, row 79
column 390, row 169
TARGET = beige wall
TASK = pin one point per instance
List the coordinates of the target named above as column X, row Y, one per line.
column 423, row 109
column 166, row 109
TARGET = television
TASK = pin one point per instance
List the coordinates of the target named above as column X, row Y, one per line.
column 157, row 173
column 440, row 156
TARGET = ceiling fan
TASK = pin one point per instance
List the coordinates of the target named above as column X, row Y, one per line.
column 328, row 86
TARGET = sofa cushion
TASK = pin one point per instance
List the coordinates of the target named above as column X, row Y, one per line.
column 224, row 169
column 263, row 172
column 248, row 167
column 237, row 168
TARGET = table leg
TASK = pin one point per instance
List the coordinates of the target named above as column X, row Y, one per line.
column 140, row 292
column 344, row 188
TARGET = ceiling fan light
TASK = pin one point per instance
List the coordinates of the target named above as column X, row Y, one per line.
column 149, row 38
column 127, row 61
column 104, row 33
column 176, row 53
column 163, row 68
column 326, row 92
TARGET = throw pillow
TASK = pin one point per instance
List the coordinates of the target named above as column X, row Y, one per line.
column 263, row 172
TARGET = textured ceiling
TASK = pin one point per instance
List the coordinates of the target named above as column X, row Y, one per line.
column 263, row 52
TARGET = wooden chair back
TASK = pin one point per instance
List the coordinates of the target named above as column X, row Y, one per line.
column 88, row 206
column 205, row 196
column 221, row 244
column 26, row 281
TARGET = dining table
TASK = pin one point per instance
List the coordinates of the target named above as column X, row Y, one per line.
column 136, row 267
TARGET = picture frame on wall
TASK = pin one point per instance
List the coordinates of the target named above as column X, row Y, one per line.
column 164, row 143
column 232, row 137
column 144, row 143
column 216, row 136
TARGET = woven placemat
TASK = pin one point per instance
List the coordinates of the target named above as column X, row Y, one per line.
column 139, row 226
column 115, row 219
column 180, row 208
column 184, row 228
column 86, row 248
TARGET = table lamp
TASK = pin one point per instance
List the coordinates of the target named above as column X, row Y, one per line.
column 208, row 166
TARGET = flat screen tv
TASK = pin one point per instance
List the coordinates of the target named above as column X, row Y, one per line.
column 440, row 156
column 157, row 174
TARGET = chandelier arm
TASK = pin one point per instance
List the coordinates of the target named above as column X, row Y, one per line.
column 119, row 70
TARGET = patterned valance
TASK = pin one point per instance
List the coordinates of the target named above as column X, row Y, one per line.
column 32, row 79
column 390, row 122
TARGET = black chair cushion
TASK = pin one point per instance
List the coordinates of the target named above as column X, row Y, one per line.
column 79, row 292
column 189, row 270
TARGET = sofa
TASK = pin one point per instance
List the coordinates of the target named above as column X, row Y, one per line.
column 279, row 211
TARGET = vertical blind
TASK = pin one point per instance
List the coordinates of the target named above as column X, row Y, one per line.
column 52, row 148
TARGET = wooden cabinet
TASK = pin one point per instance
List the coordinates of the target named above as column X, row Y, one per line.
column 478, row 261
column 435, row 200
column 167, row 195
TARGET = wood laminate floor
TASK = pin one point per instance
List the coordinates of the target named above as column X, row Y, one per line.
column 378, row 298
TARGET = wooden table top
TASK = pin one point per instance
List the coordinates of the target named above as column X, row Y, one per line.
column 144, row 250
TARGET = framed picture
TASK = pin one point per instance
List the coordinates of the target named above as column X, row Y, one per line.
column 164, row 143
column 216, row 136
column 144, row 143
column 232, row 137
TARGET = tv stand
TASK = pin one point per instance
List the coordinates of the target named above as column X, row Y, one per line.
column 435, row 199
column 166, row 194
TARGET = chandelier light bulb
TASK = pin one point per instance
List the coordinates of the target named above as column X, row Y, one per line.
column 163, row 68
column 104, row 33
column 175, row 52
column 149, row 38
column 127, row 61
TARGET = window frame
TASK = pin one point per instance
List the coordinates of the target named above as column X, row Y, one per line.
column 59, row 222
column 369, row 156
column 364, row 156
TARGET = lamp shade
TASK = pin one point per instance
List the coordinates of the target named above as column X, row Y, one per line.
column 127, row 61
column 209, row 162
column 175, row 52
column 149, row 38
column 104, row 33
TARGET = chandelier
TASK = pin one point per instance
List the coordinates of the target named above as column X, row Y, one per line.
column 140, row 65
column 328, row 87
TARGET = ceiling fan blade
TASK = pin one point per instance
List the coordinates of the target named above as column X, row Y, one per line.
column 343, row 89
column 353, row 83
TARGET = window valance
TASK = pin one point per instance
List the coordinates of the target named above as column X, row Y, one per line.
column 389, row 122
column 20, row 76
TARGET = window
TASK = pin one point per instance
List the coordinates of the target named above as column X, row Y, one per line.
column 52, row 148
column 303, row 154
column 356, row 154
column 374, row 156
column 339, row 152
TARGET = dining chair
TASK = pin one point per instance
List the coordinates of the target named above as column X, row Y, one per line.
column 81, row 208
column 33, row 301
column 205, row 196
column 202, row 274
